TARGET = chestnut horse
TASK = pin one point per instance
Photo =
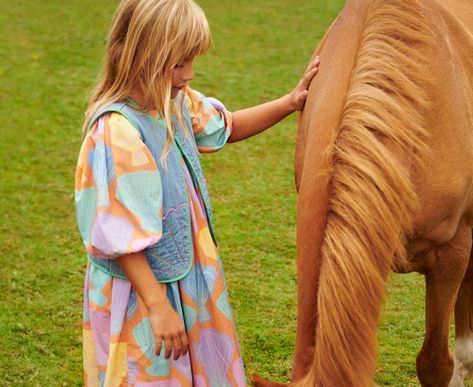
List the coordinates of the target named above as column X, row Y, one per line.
column 384, row 171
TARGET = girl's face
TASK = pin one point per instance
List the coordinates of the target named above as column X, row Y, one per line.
column 182, row 73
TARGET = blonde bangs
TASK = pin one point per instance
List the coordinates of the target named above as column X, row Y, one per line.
column 192, row 32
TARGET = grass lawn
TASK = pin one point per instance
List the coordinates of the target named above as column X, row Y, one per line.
column 50, row 54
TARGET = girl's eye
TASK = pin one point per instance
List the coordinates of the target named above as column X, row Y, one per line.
column 179, row 66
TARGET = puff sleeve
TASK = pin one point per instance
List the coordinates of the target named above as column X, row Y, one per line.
column 118, row 192
column 211, row 121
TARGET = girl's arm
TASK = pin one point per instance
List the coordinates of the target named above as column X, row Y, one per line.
column 165, row 322
column 251, row 121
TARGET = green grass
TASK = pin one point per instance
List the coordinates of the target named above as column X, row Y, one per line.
column 50, row 54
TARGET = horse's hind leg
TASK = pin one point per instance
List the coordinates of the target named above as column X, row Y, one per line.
column 464, row 329
column 434, row 362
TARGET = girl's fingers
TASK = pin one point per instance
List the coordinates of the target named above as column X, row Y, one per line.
column 177, row 347
column 313, row 64
column 167, row 347
column 159, row 344
column 185, row 343
column 308, row 77
column 312, row 72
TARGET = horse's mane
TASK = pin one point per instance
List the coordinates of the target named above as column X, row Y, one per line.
column 380, row 141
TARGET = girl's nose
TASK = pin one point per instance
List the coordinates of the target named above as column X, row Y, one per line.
column 188, row 74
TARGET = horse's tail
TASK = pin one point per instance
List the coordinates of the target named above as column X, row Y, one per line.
column 381, row 138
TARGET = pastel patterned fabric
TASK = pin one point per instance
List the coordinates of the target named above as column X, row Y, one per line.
column 119, row 346
column 118, row 188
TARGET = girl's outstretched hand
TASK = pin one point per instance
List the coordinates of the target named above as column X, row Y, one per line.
column 299, row 94
column 168, row 328
column 251, row 121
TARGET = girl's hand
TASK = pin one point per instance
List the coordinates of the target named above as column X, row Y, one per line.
column 299, row 94
column 165, row 322
column 251, row 121
column 168, row 327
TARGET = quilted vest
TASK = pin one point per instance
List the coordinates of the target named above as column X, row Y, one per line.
column 172, row 256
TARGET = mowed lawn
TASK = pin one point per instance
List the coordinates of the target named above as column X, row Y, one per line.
column 50, row 54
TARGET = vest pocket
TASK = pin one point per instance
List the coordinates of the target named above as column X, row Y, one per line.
column 171, row 257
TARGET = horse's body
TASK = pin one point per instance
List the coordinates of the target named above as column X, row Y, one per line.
column 384, row 170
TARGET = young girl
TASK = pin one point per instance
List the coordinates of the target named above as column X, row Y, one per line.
column 156, row 310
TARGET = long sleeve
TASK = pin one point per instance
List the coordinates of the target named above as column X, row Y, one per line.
column 118, row 192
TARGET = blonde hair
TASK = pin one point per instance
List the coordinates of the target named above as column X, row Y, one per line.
column 147, row 40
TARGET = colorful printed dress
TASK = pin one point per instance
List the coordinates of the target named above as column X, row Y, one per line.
column 118, row 343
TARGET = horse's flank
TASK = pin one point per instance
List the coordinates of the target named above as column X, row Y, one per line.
column 381, row 138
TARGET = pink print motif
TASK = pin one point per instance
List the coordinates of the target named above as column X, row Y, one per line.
column 199, row 381
column 110, row 234
column 239, row 373
column 165, row 383
column 99, row 128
